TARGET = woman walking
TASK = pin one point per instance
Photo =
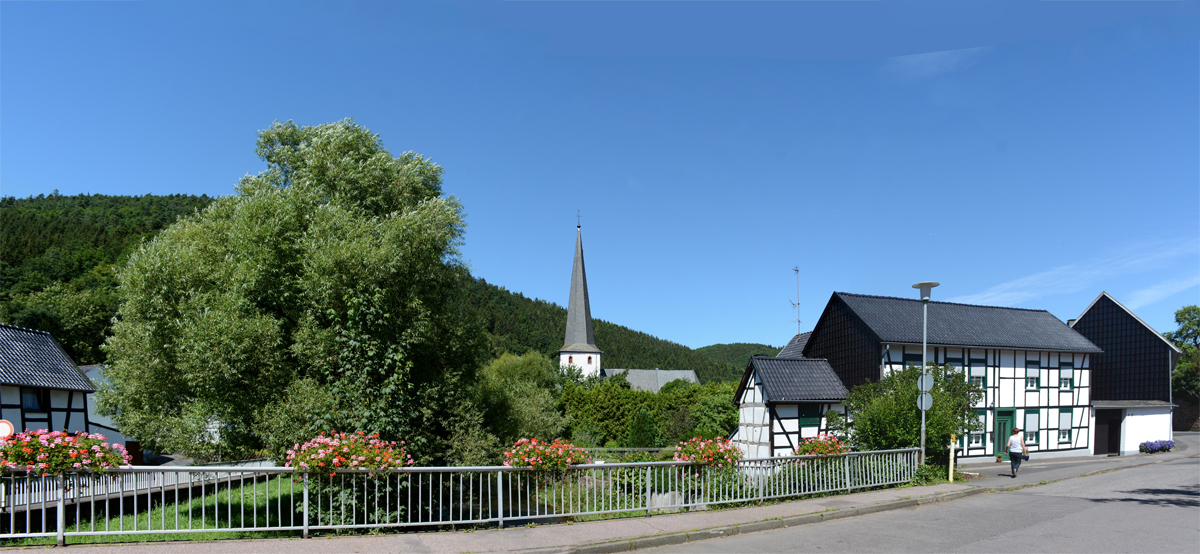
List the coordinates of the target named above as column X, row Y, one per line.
column 1016, row 450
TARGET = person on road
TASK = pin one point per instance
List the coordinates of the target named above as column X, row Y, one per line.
column 1016, row 450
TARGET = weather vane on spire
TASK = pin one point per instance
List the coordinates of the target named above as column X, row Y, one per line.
column 577, row 219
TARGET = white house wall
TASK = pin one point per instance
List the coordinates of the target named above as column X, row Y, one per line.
column 1144, row 424
column 63, row 410
column 753, row 434
column 1005, row 390
column 786, row 431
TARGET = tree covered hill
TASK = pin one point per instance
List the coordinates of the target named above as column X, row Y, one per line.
column 738, row 354
column 58, row 255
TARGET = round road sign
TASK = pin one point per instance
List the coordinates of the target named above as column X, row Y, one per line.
column 925, row 401
column 925, row 383
column 6, row 429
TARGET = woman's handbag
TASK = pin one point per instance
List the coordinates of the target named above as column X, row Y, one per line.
column 1024, row 453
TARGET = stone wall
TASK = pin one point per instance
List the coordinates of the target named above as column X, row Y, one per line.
column 1187, row 416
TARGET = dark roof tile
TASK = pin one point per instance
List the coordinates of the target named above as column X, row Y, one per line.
column 32, row 358
column 798, row 379
column 795, row 347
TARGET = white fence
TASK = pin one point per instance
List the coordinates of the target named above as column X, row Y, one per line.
column 156, row 500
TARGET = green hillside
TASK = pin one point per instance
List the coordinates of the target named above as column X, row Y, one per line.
column 58, row 255
column 738, row 354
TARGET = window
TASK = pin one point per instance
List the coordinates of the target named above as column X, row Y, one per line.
column 1033, row 372
column 956, row 365
column 589, row 360
column 810, row 415
column 570, row 359
column 1031, row 427
column 1066, row 375
column 977, row 436
column 912, row 359
column 1064, row 424
column 979, row 372
column 31, row 399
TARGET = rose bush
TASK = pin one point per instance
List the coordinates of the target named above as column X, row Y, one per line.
column 821, row 445
column 553, row 458
column 347, row 451
column 56, row 452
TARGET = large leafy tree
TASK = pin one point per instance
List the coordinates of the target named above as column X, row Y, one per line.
column 1186, row 377
column 338, row 265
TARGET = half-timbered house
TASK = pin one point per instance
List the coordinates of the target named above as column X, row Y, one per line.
column 782, row 401
column 40, row 386
column 1131, row 380
column 1034, row 369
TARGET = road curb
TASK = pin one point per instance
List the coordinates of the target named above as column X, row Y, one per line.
column 668, row 539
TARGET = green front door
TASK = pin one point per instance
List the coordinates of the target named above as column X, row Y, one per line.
column 1004, row 427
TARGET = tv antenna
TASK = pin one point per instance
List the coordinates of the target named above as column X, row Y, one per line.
column 796, row 304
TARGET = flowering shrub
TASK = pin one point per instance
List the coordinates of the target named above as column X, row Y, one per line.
column 552, row 457
column 821, row 445
column 718, row 452
column 1150, row 447
column 56, row 452
column 347, row 451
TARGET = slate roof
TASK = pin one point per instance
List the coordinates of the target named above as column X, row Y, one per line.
column 1132, row 404
column 797, row 379
column 795, row 347
column 30, row 358
column 898, row 320
column 579, row 336
column 652, row 379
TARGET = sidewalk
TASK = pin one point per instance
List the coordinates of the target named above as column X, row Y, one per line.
column 620, row 535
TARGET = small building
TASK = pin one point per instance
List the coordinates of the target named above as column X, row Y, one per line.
column 782, row 401
column 40, row 386
column 1131, row 380
column 579, row 345
column 1035, row 370
column 652, row 380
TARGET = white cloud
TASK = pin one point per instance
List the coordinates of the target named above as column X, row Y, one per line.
column 922, row 66
column 1076, row 277
column 1150, row 295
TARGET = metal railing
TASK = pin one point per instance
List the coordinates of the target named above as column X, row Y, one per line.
column 166, row 500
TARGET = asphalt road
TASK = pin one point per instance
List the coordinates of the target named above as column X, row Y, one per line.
column 1146, row 509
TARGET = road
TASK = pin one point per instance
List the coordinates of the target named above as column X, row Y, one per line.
column 1146, row 509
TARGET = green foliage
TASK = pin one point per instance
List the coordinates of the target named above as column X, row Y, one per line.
column 518, row 324
column 338, row 264
column 930, row 474
column 738, row 354
column 837, row 424
column 519, row 395
column 1185, row 379
column 602, row 411
column 643, row 431
column 885, row 414
column 295, row 418
column 58, row 256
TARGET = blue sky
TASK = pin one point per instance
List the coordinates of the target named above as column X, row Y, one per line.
column 1027, row 154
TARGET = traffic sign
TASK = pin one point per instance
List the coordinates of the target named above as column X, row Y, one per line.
column 925, row 401
column 925, row 383
column 6, row 429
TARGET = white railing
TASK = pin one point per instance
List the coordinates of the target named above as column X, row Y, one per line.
column 165, row 500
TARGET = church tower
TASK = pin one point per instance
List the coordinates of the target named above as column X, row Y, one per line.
column 579, row 346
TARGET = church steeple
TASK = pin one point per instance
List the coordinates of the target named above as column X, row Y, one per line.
column 579, row 346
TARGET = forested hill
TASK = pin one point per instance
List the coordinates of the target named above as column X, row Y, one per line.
column 58, row 254
column 738, row 353
column 519, row 324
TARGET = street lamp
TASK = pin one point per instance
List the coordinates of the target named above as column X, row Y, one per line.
column 926, row 287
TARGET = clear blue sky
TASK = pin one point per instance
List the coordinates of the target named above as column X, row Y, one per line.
column 1025, row 154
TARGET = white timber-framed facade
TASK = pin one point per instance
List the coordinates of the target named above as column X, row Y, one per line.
column 783, row 401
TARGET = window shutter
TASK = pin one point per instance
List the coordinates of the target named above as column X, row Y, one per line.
column 1031, row 421
column 1064, row 419
column 978, row 371
column 1032, row 372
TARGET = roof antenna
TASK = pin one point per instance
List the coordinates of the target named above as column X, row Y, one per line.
column 796, row 304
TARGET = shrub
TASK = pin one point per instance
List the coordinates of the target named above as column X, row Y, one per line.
column 1150, row 447
column 550, row 459
column 719, row 452
column 56, row 452
column 821, row 445
column 347, row 451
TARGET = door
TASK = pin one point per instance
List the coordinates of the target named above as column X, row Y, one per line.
column 1004, row 427
column 1108, row 431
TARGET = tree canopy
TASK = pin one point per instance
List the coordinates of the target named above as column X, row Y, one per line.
column 1186, row 378
column 337, row 264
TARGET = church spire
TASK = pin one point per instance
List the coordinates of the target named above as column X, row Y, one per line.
column 579, row 346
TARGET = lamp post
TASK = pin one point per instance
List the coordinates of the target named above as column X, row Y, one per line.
column 925, row 287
